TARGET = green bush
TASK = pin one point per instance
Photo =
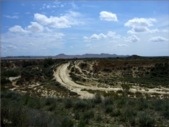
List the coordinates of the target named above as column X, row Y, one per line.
column 145, row 120
column 97, row 99
column 4, row 80
column 80, row 104
column 67, row 122
column 88, row 115
column 128, row 115
column 48, row 62
column 108, row 109
column 115, row 112
column 33, row 103
column 108, row 101
column 10, row 72
column 81, row 124
column 142, row 104
column 68, row 103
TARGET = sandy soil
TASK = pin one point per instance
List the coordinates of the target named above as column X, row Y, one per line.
column 63, row 77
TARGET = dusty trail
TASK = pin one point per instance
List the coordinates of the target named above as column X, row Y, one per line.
column 62, row 76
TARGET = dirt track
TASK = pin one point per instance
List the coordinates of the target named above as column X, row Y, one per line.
column 62, row 76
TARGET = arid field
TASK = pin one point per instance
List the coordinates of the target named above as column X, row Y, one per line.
column 109, row 92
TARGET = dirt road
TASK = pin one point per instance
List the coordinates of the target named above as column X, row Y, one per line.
column 62, row 76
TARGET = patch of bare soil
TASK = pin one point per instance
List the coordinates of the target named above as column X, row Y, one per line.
column 62, row 76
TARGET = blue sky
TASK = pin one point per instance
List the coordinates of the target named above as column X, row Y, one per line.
column 53, row 27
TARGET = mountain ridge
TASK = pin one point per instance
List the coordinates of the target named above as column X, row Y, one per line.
column 65, row 56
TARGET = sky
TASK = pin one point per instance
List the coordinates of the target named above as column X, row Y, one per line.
column 50, row 27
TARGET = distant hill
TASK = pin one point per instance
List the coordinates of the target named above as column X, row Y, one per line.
column 64, row 56
column 102, row 55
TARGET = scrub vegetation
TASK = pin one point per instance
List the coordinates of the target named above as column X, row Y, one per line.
column 31, row 97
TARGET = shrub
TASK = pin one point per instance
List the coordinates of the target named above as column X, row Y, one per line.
column 33, row 103
column 108, row 109
column 80, row 104
column 166, row 114
column 68, row 103
column 77, row 115
column 108, row 101
column 48, row 62
column 128, row 115
column 81, row 124
column 88, row 114
column 145, row 120
column 4, row 80
column 97, row 99
column 10, row 72
column 165, row 108
column 115, row 112
column 98, row 118
column 49, row 101
column 83, row 65
column 125, row 87
column 142, row 104
column 67, row 122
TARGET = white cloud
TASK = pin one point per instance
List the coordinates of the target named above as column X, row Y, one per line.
column 17, row 29
column 20, row 40
column 132, row 38
column 49, row 6
column 35, row 27
column 108, row 16
column 137, row 30
column 122, row 45
column 141, row 22
column 11, row 46
column 158, row 39
column 31, row 43
column 138, row 25
column 101, row 36
column 74, row 6
column 68, row 20
column 41, row 18
column 11, row 16
column 97, row 36
column 140, row 29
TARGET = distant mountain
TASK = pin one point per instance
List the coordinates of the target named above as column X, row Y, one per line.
column 102, row 55
column 64, row 56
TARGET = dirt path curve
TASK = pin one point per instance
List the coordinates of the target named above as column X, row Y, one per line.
column 62, row 76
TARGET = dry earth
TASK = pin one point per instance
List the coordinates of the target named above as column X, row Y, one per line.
column 63, row 77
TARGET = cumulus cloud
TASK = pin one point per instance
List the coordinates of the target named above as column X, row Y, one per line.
column 132, row 38
column 122, row 45
column 15, row 44
column 108, row 16
column 34, row 36
column 140, row 29
column 17, row 29
column 101, row 36
column 140, row 25
column 97, row 36
column 35, row 27
column 158, row 39
column 65, row 21
column 51, row 5
column 11, row 16
column 145, row 22
column 110, row 36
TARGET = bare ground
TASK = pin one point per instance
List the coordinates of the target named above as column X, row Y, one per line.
column 62, row 76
